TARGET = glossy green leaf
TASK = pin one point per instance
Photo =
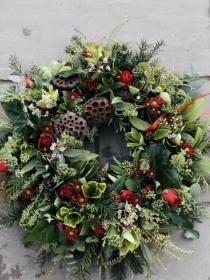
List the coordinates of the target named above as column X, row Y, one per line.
column 130, row 184
column 194, row 111
column 161, row 133
column 202, row 165
column 138, row 123
column 29, row 166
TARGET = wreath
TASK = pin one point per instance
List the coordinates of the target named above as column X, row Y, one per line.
column 121, row 213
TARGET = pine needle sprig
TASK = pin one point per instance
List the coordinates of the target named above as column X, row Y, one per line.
column 118, row 271
column 147, row 51
column 85, row 262
column 135, row 262
column 8, row 219
column 35, row 71
column 15, row 65
column 77, row 40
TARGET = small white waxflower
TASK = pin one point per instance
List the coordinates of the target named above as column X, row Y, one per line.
column 62, row 149
column 138, row 97
column 105, row 60
column 108, row 68
column 52, row 147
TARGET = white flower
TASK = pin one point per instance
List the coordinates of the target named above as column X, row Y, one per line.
column 62, row 149
column 105, row 60
column 52, row 147
column 108, row 68
column 138, row 97
column 99, row 70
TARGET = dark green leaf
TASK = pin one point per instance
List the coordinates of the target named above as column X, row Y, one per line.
column 165, row 172
column 191, row 234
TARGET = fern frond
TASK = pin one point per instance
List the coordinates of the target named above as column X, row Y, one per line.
column 9, row 218
column 118, row 271
column 15, row 65
column 35, row 70
column 106, row 208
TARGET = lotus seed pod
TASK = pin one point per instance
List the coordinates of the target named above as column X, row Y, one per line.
column 71, row 124
column 97, row 110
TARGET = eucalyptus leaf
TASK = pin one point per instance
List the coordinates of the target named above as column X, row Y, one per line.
column 195, row 189
column 191, row 234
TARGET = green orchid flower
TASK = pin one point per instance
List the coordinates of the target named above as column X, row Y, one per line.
column 93, row 189
column 48, row 98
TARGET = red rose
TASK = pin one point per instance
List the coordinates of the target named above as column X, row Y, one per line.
column 27, row 193
column 66, row 191
column 125, row 77
column 45, row 141
column 28, row 82
column 98, row 230
column 71, row 96
column 127, row 195
column 90, row 84
column 171, row 197
column 3, row 167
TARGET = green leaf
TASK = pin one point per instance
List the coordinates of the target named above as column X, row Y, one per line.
column 117, row 186
column 198, row 137
column 57, row 258
column 117, row 169
column 122, row 106
column 165, row 172
column 166, row 228
column 194, row 111
column 57, row 202
column 138, row 123
column 149, row 225
column 147, row 254
column 130, row 184
column 182, row 221
column 72, row 72
column 191, row 234
column 72, row 153
column 29, row 166
column 195, row 189
column 43, row 232
column 117, row 100
column 202, row 165
column 80, row 245
column 133, row 90
column 107, row 83
column 128, row 236
column 14, row 112
column 161, row 133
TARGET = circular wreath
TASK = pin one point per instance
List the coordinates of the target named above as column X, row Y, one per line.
column 58, row 191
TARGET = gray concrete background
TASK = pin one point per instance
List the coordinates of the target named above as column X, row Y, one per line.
column 37, row 31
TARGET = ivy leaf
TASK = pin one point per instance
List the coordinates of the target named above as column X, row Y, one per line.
column 14, row 112
column 138, row 123
column 165, row 172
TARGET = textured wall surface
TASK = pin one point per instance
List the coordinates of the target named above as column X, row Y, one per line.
column 37, row 31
